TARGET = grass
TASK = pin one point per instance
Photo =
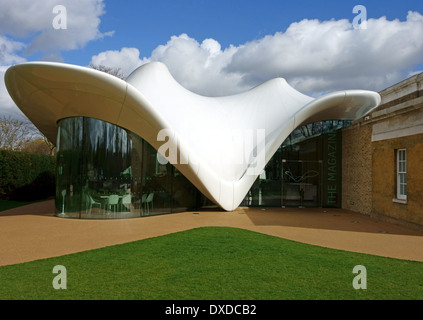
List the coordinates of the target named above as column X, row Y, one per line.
column 213, row 263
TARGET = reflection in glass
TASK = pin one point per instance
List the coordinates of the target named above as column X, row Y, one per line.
column 301, row 184
column 104, row 171
column 294, row 176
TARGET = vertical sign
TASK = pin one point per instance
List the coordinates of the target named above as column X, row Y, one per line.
column 332, row 170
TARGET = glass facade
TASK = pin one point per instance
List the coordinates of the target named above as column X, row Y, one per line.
column 104, row 171
column 305, row 171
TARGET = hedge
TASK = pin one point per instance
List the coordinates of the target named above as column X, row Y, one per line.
column 26, row 176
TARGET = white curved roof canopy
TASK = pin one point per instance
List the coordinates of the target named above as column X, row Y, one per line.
column 223, row 142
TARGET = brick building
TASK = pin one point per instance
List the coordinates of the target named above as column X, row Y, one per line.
column 382, row 157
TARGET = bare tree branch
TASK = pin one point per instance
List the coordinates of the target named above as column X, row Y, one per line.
column 15, row 133
column 117, row 72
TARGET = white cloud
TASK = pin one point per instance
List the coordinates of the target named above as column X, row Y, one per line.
column 195, row 65
column 331, row 55
column 33, row 20
column 9, row 50
column 314, row 56
column 9, row 54
column 200, row 66
column 127, row 59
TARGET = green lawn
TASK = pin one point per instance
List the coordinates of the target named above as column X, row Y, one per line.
column 214, row 263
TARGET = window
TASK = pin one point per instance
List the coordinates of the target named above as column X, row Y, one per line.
column 104, row 171
column 402, row 174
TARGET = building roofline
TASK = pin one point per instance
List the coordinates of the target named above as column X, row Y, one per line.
column 400, row 92
column 199, row 128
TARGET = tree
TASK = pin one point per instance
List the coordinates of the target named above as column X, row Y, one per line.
column 15, row 133
column 117, row 72
column 21, row 135
column 39, row 145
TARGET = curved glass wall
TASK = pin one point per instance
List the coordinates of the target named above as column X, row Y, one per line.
column 104, row 171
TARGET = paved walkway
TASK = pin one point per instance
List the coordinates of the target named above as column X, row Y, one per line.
column 32, row 232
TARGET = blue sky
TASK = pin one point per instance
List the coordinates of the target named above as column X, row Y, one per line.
column 223, row 47
column 147, row 24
